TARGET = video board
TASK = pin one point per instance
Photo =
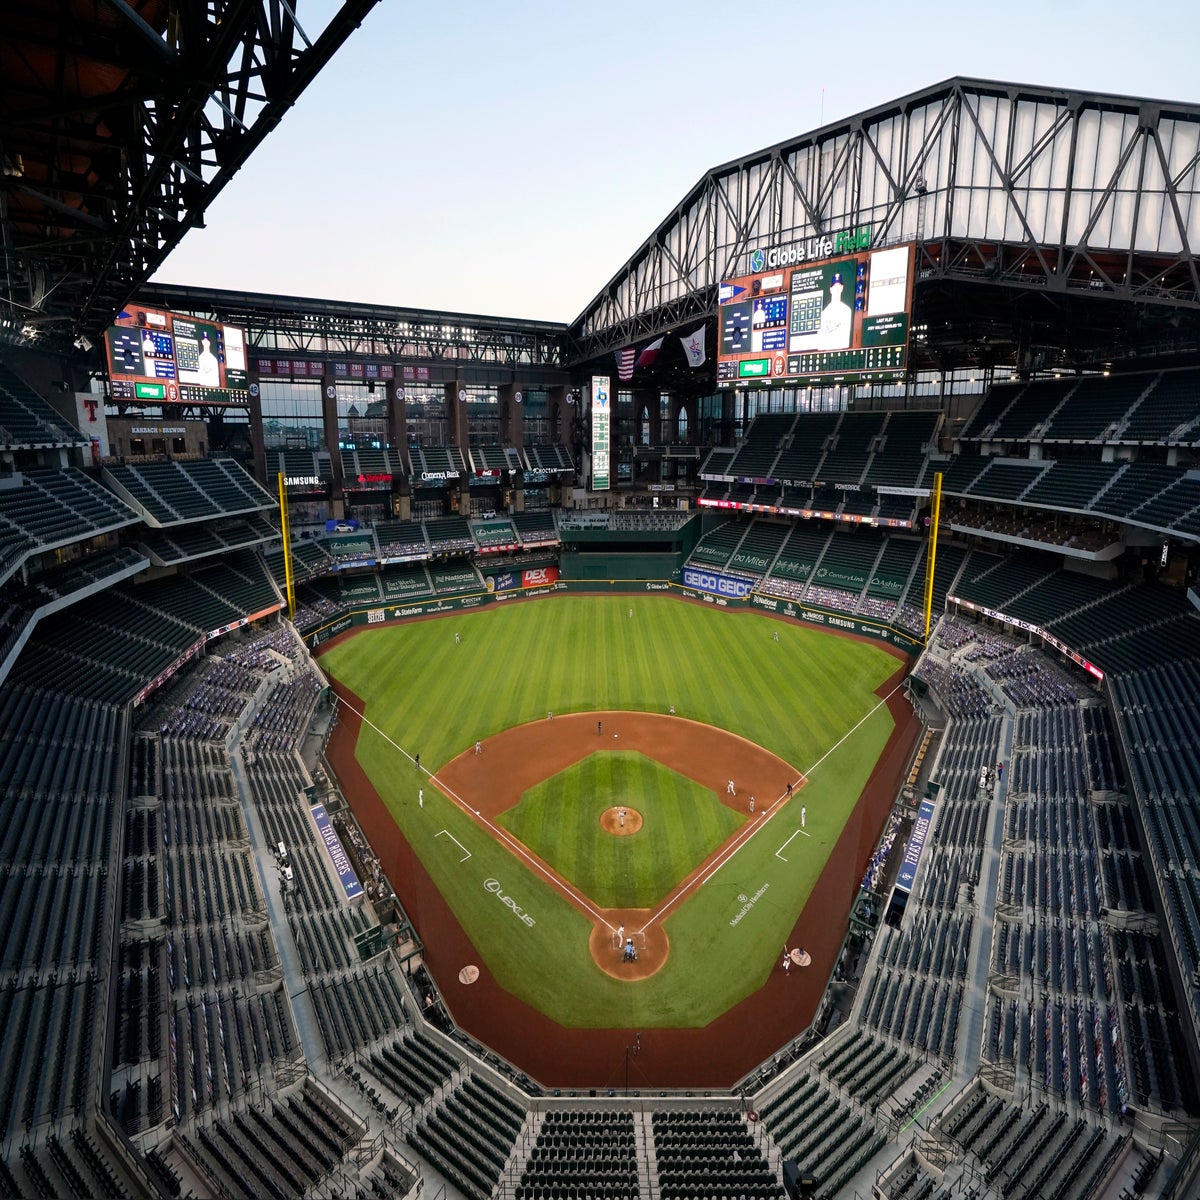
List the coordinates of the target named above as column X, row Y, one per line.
column 818, row 322
column 158, row 357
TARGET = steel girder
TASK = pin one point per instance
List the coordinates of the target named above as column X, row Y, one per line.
column 120, row 122
column 289, row 326
column 1031, row 189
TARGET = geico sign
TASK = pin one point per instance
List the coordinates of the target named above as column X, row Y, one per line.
column 497, row 889
column 717, row 583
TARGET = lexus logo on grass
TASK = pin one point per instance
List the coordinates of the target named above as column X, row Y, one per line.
column 497, row 889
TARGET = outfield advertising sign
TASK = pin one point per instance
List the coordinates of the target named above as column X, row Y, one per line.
column 916, row 844
column 716, row 583
column 532, row 577
column 601, row 432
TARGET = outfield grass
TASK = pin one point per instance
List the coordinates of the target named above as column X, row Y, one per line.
column 797, row 697
column 683, row 823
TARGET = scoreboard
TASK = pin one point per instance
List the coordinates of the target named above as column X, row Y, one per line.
column 818, row 322
column 157, row 357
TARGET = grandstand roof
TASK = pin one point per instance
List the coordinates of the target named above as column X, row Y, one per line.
column 1033, row 209
column 120, row 124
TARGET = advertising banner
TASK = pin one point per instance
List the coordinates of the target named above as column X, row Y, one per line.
column 716, row 583
column 916, row 844
column 539, row 577
column 337, row 855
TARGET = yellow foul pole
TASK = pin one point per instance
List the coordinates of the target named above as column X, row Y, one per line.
column 289, row 579
column 930, row 559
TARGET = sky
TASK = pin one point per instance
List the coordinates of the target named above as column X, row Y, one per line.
column 507, row 159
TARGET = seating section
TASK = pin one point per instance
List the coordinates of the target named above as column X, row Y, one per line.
column 1005, row 480
column 495, row 458
column 594, row 1150
column 536, row 528
column 1169, row 411
column 846, row 459
column 401, row 539
column 449, row 535
column 1037, row 1152
column 177, row 490
column 184, row 543
column 710, row 1154
column 756, row 457
column 469, row 1136
column 799, row 461
column 60, row 805
column 801, row 552
column 825, row 1116
column 27, row 421
column 286, row 1151
column 549, row 457
column 757, row 550
column 716, row 547
column 44, row 509
column 495, row 535
column 1071, row 484
column 900, row 455
column 1030, row 410
column 1158, row 408
column 1095, row 408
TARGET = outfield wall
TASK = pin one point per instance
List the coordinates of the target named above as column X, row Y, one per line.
column 608, row 566
column 777, row 605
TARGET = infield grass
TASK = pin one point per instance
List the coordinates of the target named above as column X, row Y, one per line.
column 797, row 697
column 683, row 823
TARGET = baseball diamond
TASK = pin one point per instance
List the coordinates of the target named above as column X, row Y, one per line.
column 784, row 711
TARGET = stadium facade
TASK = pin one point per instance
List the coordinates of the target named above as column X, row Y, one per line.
column 1025, row 1021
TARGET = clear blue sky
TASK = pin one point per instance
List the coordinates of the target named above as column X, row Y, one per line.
column 508, row 158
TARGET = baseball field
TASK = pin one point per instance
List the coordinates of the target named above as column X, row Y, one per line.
column 628, row 809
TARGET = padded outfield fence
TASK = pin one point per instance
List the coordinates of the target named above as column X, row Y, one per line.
column 778, row 605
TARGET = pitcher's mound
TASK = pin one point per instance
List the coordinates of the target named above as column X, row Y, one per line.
column 620, row 822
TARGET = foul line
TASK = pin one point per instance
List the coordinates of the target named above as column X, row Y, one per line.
column 447, row 833
column 497, row 831
column 737, row 844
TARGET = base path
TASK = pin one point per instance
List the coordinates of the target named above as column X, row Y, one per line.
column 556, row 1056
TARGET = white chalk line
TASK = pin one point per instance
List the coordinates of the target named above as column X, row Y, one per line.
column 496, row 830
column 753, row 830
column 779, row 852
column 447, row 833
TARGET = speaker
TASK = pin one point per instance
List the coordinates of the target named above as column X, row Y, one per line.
column 799, row 1185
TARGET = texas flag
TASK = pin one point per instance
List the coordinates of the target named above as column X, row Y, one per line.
column 693, row 347
column 647, row 356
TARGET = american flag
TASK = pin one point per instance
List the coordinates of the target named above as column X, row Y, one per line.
column 625, row 359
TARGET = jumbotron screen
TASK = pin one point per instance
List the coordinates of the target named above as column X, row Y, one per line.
column 158, row 357
column 821, row 321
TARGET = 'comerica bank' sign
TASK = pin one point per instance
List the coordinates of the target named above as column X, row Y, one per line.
column 715, row 582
